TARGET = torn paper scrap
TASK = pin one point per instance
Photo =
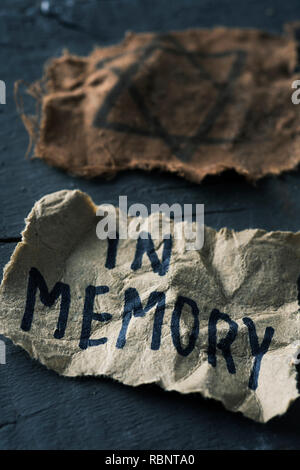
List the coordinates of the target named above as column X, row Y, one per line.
column 222, row 320
column 194, row 103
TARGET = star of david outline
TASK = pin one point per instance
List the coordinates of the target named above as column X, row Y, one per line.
column 183, row 147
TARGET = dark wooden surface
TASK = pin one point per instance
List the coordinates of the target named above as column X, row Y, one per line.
column 39, row 409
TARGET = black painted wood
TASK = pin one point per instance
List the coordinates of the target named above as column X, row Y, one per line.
column 39, row 409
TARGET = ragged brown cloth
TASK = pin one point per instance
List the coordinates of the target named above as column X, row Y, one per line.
column 194, row 103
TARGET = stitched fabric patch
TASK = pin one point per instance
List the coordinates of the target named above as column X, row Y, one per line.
column 193, row 103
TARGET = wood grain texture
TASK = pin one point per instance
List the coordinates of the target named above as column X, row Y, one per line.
column 39, row 409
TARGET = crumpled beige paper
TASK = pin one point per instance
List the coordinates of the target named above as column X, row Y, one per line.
column 248, row 278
